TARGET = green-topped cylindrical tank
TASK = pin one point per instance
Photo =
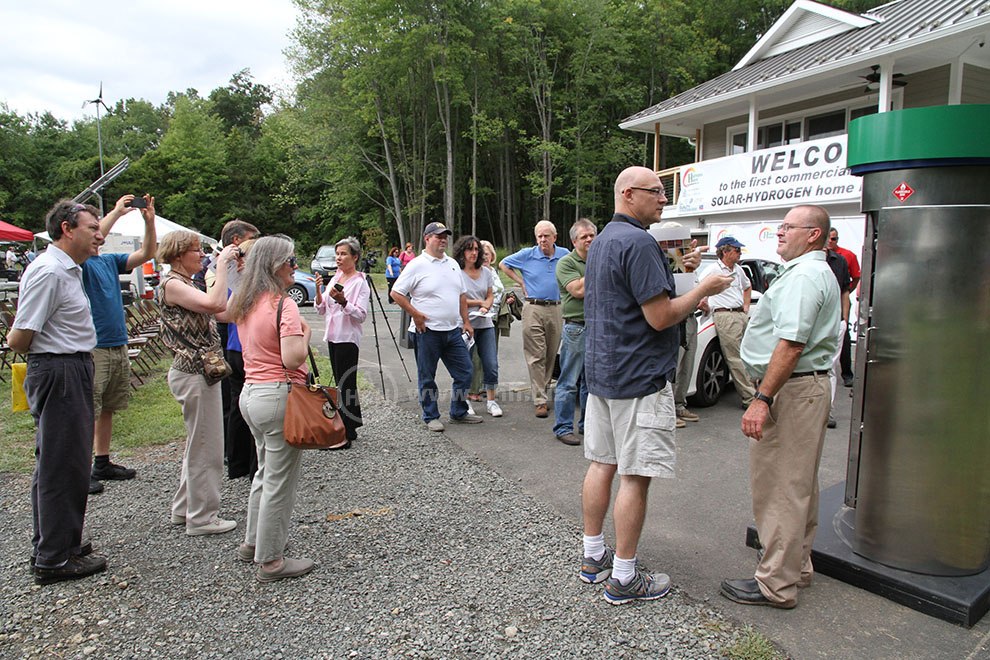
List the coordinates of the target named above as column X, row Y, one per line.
column 919, row 458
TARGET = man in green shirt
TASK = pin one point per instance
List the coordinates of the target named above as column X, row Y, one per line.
column 788, row 349
column 571, row 389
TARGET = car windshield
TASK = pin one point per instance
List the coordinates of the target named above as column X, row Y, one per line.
column 326, row 252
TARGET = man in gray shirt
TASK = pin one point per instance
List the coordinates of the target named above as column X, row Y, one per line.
column 55, row 328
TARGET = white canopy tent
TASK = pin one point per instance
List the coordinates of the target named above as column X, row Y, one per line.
column 132, row 224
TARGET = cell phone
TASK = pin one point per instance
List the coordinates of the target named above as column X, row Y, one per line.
column 138, row 203
column 338, row 286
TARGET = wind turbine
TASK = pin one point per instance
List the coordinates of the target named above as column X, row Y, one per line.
column 98, row 101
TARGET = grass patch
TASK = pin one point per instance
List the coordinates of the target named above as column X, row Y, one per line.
column 753, row 646
column 153, row 417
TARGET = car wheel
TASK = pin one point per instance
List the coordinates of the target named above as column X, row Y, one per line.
column 297, row 293
column 713, row 376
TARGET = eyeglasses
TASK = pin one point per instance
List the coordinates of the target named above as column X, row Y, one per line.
column 784, row 228
column 658, row 192
column 291, row 261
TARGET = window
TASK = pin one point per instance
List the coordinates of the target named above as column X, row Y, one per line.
column 827, row 125
column 738, row 144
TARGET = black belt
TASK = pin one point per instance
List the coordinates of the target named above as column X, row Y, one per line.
column 542, row 302
column 800, row 374
column 797, row 374
column 574, row 321
column 62, row 356
column 728, row 309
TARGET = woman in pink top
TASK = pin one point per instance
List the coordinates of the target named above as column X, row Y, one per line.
column 345, row 306
column 407, row 255
column 275, row 353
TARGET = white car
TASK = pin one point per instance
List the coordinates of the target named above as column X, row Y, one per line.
column 710, row 375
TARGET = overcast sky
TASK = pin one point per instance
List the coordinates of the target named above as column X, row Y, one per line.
column 54, row 53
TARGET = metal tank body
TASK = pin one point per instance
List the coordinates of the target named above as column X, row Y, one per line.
column 919, row 460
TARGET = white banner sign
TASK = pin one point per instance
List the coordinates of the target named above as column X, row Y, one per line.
column 812, row 172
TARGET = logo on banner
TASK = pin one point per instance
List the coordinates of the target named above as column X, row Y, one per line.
column 768, row 233
column 690, row 177
column 903, row 191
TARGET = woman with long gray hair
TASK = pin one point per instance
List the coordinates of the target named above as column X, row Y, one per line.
column 275, row 351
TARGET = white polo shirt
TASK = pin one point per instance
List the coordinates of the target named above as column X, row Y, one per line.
column 733, row 296
column 434, row 287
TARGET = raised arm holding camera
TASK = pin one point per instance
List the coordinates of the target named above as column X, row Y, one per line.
column 111, row 386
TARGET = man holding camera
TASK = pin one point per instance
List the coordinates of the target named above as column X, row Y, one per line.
column 111, row 365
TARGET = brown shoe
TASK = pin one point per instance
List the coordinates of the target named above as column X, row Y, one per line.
column 569, row 439
column 680, row 423
column 541, row 410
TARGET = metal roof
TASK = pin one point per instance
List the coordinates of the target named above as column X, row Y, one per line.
column 900, row 24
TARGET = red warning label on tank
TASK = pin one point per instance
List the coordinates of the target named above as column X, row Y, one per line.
column 903, row 191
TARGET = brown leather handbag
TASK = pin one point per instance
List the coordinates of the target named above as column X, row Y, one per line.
column 312, row 416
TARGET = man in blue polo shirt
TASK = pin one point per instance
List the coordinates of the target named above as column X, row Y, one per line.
column 632, row 341
column 111, row 365
column 534, row 269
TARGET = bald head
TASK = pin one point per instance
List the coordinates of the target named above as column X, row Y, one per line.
column 815, row 216
column 639, row 194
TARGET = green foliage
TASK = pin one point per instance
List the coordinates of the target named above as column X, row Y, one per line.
column 753, row 646
column 487, row 114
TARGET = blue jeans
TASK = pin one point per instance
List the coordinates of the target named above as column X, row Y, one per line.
column 487, row 348
column 571, row 386
column 430, row 347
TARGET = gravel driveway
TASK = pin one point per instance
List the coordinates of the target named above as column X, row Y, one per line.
column 422, row 551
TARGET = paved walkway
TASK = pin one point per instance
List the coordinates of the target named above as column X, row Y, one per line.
column 696, row 523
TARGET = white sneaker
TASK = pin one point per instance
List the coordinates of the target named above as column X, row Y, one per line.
column 435, row 425
column 470, row 409
column 215, row 526
column 493, row 409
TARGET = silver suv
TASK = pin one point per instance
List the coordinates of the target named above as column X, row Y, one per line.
column 325, row 262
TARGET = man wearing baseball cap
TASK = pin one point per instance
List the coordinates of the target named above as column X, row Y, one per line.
column 431, row 291
column 730, row 311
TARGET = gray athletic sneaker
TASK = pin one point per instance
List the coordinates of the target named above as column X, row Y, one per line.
column 594, row 571
column 642, row 587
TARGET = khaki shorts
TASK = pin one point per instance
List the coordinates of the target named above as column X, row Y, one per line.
column 111, row 379
column 636, row 435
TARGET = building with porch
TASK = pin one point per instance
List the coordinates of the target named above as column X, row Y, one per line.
column 771, row 133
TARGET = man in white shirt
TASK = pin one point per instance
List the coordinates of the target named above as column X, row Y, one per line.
column 55, row 328
column 730, row 311
column 431, row 291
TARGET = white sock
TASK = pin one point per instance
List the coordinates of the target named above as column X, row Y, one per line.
column 623, row 570
column 594, row 546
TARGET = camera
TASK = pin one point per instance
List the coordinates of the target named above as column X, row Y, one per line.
column 138, row 202
column 368, row 262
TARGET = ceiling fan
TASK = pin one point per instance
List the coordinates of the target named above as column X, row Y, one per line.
column 873, row 79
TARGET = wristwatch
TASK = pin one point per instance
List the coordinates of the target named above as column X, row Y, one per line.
column 764, row 398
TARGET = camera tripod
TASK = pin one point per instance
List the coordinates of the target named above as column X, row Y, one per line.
column 374, row 325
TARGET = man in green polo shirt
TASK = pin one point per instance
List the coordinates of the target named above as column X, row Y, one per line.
column 572, row 391
column 788, row 349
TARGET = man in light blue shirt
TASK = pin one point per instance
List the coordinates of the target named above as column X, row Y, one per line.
column 534, row 269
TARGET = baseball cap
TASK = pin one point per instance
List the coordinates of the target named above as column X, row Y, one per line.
column 730, row 241
column 436, row 228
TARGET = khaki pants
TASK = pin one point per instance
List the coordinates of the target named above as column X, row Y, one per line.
column 198, row 495
column 730, row 327
column 542, row 325
column 273, row 491
column 783, row 474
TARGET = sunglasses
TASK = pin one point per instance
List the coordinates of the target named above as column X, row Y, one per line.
column 292, row 261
